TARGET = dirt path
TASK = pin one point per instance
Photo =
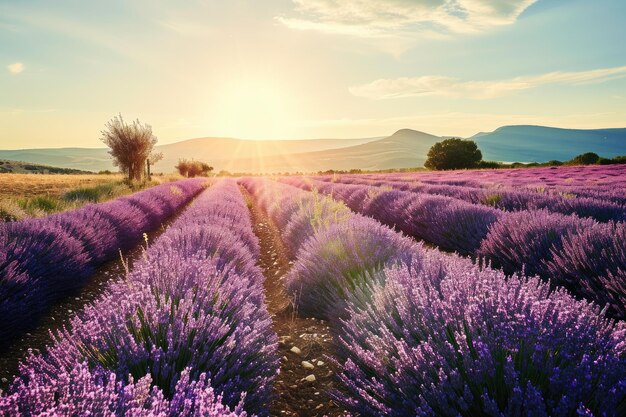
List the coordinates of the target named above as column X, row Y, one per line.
column 295, row 395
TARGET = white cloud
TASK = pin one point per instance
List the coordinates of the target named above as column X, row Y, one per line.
column 437, row 85
column 15, row 68
column 390, row 17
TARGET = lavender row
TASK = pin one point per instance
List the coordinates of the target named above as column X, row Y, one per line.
column 490, row 190
column 603, row 177
column 451, row 339
column 508, row 199
column 586, row 257
column 185, row 333
column 41, row 260
column 422, row 333
column 332, row 246
column 604, row 183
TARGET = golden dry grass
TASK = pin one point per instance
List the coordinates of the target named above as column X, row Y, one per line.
column 54, row 185
column 36, row 195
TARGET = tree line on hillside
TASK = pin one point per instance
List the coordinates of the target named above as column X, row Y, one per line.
column 456, row 153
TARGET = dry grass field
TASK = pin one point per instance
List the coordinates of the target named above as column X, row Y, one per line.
column 52, row 185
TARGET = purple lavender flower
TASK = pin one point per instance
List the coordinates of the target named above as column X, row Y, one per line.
column 527, row 239
column 192, row 310
column 449, row 338
column 335, row 261
column 82, row 391
column 42, row 259
column 592, row 263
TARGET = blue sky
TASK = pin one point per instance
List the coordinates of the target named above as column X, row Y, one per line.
column 307, row 68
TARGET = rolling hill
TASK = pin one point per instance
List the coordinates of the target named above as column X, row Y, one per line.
column 222, row 153
column 405, row 148
column 540, row 144
column 18, row 167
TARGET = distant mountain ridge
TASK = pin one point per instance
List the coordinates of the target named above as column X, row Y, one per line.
column 528, row 143
column 405, row 148
column 220, row 152
column 19, row 167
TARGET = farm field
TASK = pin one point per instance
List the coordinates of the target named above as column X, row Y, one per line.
column 462, row 293
column 30, row 185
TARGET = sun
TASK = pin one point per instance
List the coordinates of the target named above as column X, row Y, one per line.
column 255, row 109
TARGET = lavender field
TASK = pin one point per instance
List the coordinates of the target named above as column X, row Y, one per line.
column 463, row 293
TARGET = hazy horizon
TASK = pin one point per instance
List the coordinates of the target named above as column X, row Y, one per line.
column 307, row 69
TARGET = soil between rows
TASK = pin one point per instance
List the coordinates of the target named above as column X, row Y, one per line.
column 293, row 394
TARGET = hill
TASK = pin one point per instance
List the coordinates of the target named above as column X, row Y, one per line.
column 222, row 153
column 246, row 155
column 18, row 167
column 405, row 148
column 539, row 143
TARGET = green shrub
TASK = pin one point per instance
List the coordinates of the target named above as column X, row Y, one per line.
column 588, row 158
column 93, row 194
column 453, row 153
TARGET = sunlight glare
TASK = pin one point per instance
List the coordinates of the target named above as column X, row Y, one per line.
column 256, row 110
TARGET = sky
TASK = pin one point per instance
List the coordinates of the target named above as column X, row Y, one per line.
column 294, row 69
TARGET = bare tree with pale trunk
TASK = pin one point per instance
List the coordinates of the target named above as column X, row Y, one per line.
column 130, row 145
column 152, row 159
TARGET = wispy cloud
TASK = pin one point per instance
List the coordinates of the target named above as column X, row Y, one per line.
column 437, row 85
column 422, row 17
column 15, row 68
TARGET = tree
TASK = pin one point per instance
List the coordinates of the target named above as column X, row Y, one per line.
column 152, row 159
column 193, row 168
column 453, row 153
column 131, row 145
column 588, row 158
column 183, row 167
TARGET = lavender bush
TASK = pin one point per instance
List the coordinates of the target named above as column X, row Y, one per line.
column 450, row 224
column 82, row 391
column 527, row 239
column 192, row 310
column 451, row 339
column 587, row 204
column 592, row 263
column 42, row 259
column 314, row 215
column 446, row 222
column 336, row 261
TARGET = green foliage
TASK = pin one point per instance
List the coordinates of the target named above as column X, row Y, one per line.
column 588, row 158
column 95, row 194
column 453, row 153
column 40, row 205
column 554, row 163
column 489, row 164
column 492, row 200
column 613, row 161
